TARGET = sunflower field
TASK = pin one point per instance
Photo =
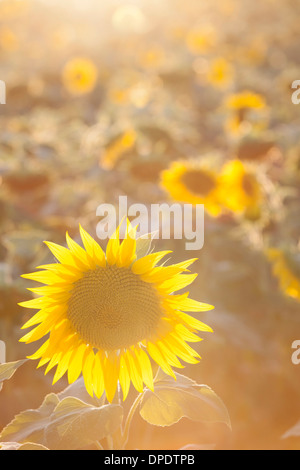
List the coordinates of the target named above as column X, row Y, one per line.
column 124, row 339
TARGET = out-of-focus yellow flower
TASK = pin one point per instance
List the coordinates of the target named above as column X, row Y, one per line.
column 117, row 149
column 132, row 88
column 119, row 95
column 201, row 40
column 245, row 100
column 241, row 106
column 153, row 57
column 286, row 270
column 220, row 73
column 193, row 182
column 107, row 314
column 80, row 76
column 8, row 40
column 254, row 53
column 241, row 190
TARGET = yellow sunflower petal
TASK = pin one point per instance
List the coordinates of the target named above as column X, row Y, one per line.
column 87, row 370
column 145, row 264
column 62, row 366
column 79, row 253
column 182, row 302
column 135, row 371
column 111, row 369
column 93, row 248
column 146, row 367
column 43, row 277
column 124, row 377
column 159, row 359
column 112, row 249
column 62, row 254
column 98, row 376
column 177, row 282
column 76, row 362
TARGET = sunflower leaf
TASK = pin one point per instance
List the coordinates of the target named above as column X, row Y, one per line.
column 78, row 390
column 173, row 400
column 143, row 244
column 68, row 424
column 29, row 425
column 75, row 424
column 17, row 446
column 293, row 432
column 8, row 369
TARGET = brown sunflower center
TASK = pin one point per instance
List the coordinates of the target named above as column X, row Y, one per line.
column 112, row 308
column 199, row 182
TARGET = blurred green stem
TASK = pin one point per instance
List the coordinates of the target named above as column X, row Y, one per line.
column 129, row 419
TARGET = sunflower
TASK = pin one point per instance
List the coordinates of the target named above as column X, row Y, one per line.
column 241, row 105
column 241, row 191
column 201, row 40
column 191, row 182
column 107, row 314
column 286, row 269
column 8, row 40
column 220, row 73
column 80, row 76
column 117, row 149
column 245, row 100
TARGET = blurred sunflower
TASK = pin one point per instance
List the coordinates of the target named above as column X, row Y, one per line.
column 245, row 100
column 241, row 191
column 200, row 40
column 220, row 73
column 117, row 149
column 193, row 182
column 153, row 57
column 240, row 104
column 107, row 313
column 287, row 270
column 8, row 40
column 80, row 76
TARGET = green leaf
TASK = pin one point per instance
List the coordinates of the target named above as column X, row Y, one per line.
column 78, row 390
column 29, row 425
column 32, row 446
column 8, row 369
column 17, row 446
column 64, row 425
column 143, row 244
column 199, row 447
column 75, row 424
column 173, row 400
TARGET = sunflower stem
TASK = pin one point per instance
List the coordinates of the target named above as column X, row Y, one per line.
column 129, row 419
column 99, row 446
column 110, row 442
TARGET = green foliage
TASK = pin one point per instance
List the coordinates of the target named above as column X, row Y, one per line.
column 293, row 432
column 8, row 369
column 68, row 424
column 65, row 422
column 17, row 446
column 173, row 400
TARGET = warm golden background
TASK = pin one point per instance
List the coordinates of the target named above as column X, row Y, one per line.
column 102, row 96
